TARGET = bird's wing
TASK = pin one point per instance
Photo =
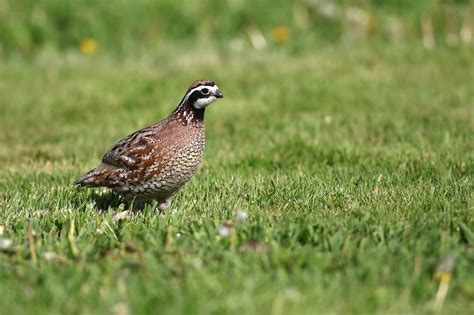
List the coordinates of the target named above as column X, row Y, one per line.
column 139, row 149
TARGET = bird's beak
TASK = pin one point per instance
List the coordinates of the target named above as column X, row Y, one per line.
column 219, row 94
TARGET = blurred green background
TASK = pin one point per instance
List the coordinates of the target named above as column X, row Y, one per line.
column 120, row 27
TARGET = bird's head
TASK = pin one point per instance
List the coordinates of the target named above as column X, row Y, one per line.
column 202, row 93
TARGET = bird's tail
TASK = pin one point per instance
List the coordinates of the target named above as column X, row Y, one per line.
column 95, row 178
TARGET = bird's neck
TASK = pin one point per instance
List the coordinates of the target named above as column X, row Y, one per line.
column 188, row 114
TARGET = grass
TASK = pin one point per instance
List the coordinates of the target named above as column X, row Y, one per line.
column 354, row 166
column 28, row 27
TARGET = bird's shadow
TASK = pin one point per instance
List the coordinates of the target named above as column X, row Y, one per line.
column 104, row 201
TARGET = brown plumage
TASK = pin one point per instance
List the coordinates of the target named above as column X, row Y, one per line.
column 155, row 162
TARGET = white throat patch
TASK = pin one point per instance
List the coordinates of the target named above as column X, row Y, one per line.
column 204, row 102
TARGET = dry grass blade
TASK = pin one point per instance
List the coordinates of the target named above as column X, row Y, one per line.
column 72, row 239
column 32, row 243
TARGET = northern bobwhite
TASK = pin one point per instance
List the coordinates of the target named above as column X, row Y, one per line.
column 157, row 161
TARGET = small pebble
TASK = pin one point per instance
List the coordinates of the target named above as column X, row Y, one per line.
column 224, row 231
column 120, row 216
column 5, row 244
column 242, row 215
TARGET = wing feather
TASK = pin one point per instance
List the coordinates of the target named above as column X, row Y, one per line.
column 131, row 151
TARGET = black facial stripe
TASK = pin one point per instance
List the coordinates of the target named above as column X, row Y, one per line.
column 196, row 95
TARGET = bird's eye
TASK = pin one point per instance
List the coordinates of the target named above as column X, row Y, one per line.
column 205, row 91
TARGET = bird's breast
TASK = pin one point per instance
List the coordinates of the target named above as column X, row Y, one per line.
column 181, row 163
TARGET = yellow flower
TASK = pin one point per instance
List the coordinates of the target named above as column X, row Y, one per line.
column 444, row 277
column 88, row 46
column 281, row 34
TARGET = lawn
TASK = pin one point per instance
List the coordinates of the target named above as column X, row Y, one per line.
column 336, row 180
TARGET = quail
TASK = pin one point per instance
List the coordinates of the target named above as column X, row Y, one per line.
column 155, row 162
